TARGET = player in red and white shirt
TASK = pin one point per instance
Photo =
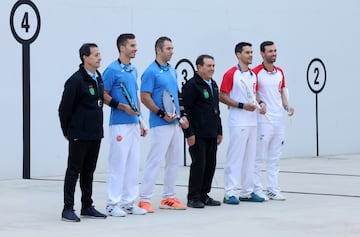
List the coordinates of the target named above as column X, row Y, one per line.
column 241, row 153
column 271, row 135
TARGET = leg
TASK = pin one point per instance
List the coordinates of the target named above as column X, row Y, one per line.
column 263, row 138
column 118, row 156
column 210, row 166
column 234, row 158
column 197, row 169
column 247, row 172
column 75, row 162
column 274, row 155
column 131, row 179
column 87, row 172
column 172, row 161
column 159, row 145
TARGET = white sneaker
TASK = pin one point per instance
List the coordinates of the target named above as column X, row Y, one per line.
column 262, row 195
column 276, row 196
column 115, row 210
column 133, row 209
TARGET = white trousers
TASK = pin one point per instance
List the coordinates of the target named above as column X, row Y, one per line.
column 165, row 146
column 269, row 147
column 240, row 160
column 124, row 162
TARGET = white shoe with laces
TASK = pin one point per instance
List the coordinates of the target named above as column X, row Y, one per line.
column 133, row 209
column 276, row 196
column 115, row 210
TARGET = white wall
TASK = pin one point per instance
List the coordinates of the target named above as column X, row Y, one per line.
column 302, row 30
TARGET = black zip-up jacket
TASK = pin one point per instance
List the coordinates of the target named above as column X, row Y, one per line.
column 81, row 107
column 202, row 108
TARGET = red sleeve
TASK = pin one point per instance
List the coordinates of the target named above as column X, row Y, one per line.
column 256, row 83
column 256, row 70
column 228, row 80
column 282, row 85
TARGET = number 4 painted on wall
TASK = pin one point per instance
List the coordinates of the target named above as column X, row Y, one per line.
column 25, row 22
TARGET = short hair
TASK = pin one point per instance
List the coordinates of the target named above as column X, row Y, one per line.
column 264, row 44
column 160, row 42
column 85, row 50
column 200, row 59
column 239, row 47
column 123, row 38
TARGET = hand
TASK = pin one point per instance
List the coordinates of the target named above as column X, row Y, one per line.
column 249, row 107
column 143, row 132
column 191, row 140
column 129, row 110
column 262, row 108
column 219, row 139
column 169, row 119
column 185, row 123
column 290, row 111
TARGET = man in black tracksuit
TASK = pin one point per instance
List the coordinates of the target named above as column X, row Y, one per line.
column 81, row 119
column 201, row 103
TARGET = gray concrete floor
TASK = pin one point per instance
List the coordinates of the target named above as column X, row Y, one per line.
column 323, row 199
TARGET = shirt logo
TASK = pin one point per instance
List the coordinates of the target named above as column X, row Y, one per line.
column 91, row 90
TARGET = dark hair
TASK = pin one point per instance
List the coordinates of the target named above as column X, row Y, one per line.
column 264, row 44
column 85, row 50
column 123, row 38
column 200, row 59
column 160, row 42
column 239, row 47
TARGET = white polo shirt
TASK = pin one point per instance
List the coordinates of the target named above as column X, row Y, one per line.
column 231, row 85
column 270, row 85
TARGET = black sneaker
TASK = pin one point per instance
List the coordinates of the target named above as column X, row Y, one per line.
column 211, row 202
column 69, row 215
column 195, row 204
column 91, row 212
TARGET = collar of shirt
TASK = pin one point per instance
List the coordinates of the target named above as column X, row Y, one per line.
column 210, row 84
column 93, row 76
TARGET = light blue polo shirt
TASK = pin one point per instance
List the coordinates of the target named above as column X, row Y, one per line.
column 155, row 80
column 113, row 75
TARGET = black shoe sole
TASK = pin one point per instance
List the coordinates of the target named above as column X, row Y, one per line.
column 213, row 204
column 93, row 217
column 69, row 220
column 196, row 206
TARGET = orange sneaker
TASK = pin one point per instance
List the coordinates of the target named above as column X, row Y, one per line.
column 172, row 203
column 146, row 206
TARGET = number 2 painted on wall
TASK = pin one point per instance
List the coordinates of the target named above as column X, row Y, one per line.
column 316, row 81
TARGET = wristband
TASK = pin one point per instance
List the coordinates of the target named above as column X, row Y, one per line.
column 113, row 103
column 183, row 113
column 240, row 105
column 286, row 107
column 261, row 102
column 161, row 113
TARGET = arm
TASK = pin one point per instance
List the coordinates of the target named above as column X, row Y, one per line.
column 188, row 96
column 226, row 99
column 67, row 105
column 285, row 103
column 125, row 107
column 262, row 105
column 150, row 104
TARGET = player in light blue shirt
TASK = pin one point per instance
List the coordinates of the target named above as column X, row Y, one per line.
column 155, row 80
column 118, row 72
column 165, row 129
column 124, row 130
